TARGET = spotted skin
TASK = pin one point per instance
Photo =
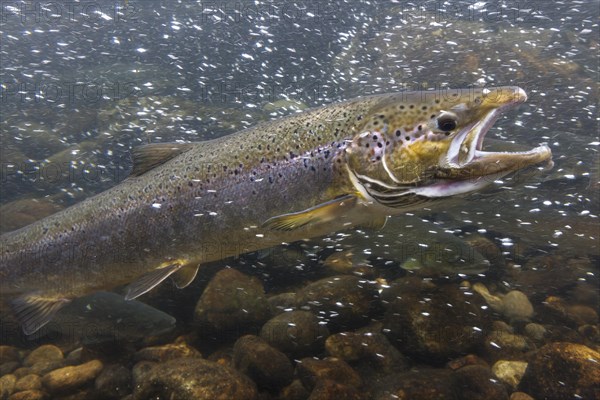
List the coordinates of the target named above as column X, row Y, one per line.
column 210, row 202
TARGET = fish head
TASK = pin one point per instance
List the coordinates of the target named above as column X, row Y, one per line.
column 417, row 146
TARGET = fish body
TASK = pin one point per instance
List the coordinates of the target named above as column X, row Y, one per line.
column 307, row 175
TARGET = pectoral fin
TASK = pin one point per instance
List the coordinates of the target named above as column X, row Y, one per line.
column 185, row 275
column 321, row 213
column 151, row 280
column 35, row 310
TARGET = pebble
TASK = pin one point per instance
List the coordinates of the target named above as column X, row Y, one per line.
column 535, row 331
column 194, row 379
column 44, row 353
column 28, row 382
column 344, row 301
column 502, row 345
column 43, row 367
column 166, row 352
column 558, row 370
column 520, row 396
column 311, row 370
column 113, row 382
column 571, row 315
column 421, row 384
column 70, row 378
column 373, row 347
column 7, row 385
column 514, row 305
column 509, row 372
column 28, row 395
column 296, row 333
column 232, row 302
column 266, row 366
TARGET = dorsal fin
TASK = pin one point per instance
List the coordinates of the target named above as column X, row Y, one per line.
column 152, row 155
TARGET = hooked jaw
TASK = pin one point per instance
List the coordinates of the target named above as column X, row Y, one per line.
column 466, row 166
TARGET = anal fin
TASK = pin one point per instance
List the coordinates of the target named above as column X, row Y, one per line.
column 35, row 310
column 151, row 280
column 324, row 212
column 185, row 275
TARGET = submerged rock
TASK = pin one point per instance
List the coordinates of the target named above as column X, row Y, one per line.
column 311, row 371
column 422, row 384
column 69, row 378
column 372, row 347
column 513, row 305
column 232, row 301
column 327, row 389
column 113, row 382
column 435, row 324
column 44, row 353
column 267, row 366
column 297, row 333
column 194, row 379
column 509, row 372
column 7, row 385
column 475, row 382
column 559, row 371
column 343, row 301
column 166, row 352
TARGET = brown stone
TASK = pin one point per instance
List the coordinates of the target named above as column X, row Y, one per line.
column 44, row 353
column 29, row 382
column 69, row 378
column 28, row 395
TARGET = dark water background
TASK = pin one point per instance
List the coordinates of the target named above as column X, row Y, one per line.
column 84, row 82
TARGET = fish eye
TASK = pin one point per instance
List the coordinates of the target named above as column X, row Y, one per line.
column 446, row 123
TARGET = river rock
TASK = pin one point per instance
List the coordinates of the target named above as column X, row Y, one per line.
column 435, row 324
column 559, row 371
column 28, row 395
column 8, row 367
column 372, row 347
column 28, row 382
column 283, row 302
column 509, row 372
column 475, row 382
column 343, row 301
column 113, row 382
column 7, row 385
column 43, row 367
column 571, row 315
column 520, row 396
column 327, row 389
column 166, row 352
column 265, row 365
column 311, row 370
column 232, row 301
column 421, row 384
column 194, row 379
column 45, row 353
column 504, row 345
column 294, row 391
column 296, row 333
column 69, row 378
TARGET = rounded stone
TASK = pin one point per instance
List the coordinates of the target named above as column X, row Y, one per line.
column 114, row 382
column 70, row 378
column 44, row 353
column 232, row 302
column 475, row 382
column 167, row 352
column 265, row 365
column 194, row 379
column 7, row 385
column 28, row 395
column 331, row 390
column 344, row 301
column 509, row 372
column 296, row 333
column 559, row 370
column 28, row 382
column 310, row 371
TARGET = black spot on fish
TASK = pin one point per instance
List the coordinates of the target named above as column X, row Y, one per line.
column 420, row 127
column 359, row 117
column 411, row 106
column 398, row 132
column 407, row 138
column 374, row 138
column 379, row 144
column 424, row 108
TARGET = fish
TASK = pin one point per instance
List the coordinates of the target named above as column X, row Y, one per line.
column 415, row 245
column 327, row 169
column 106, row 317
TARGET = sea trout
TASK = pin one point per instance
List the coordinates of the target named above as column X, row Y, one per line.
column 327, row 169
